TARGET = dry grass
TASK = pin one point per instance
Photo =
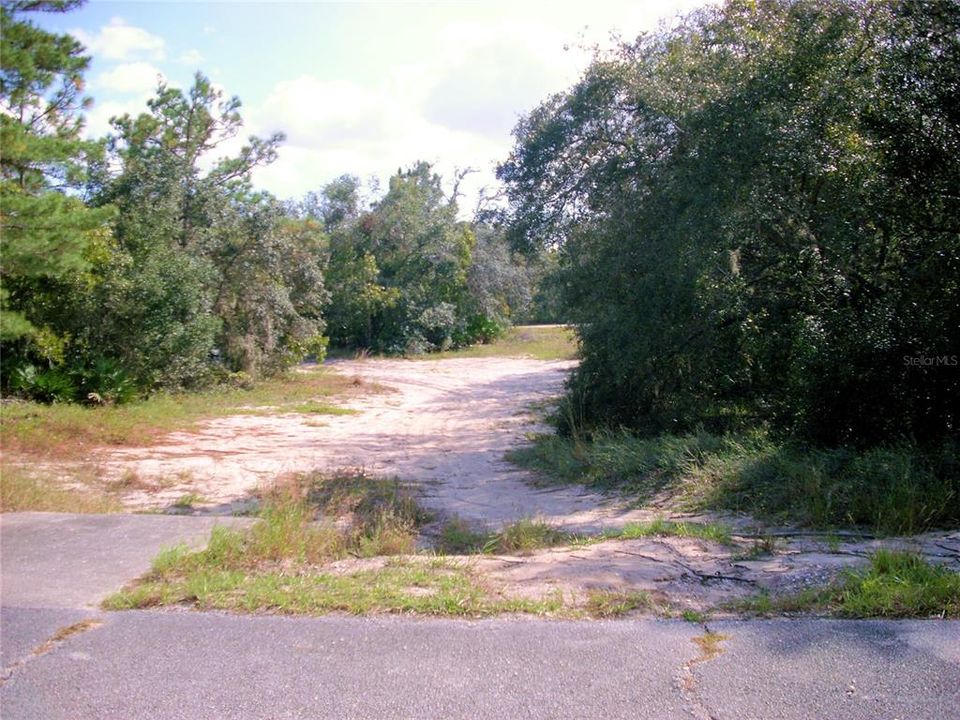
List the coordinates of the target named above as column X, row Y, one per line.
column 21, row 490
column 68, row 432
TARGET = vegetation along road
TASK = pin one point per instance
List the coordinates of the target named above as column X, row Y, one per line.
column 667, row 426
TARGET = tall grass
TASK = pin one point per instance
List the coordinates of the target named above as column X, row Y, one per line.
column 894, row 490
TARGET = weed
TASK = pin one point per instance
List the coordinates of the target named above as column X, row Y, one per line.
column 895, row 585
column 716, row 532
column 610, row 604
column 519, row 537
column 313, row 407
column 456, row 537
column 693, row 616
column 525, row 536
column 187, row 501
column 899, row 584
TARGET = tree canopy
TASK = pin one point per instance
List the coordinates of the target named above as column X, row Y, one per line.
column 757, row 210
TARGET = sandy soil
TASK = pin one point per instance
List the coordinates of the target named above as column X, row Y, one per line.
column 444, row 426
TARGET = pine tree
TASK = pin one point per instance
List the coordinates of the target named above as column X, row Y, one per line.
column 44, row 229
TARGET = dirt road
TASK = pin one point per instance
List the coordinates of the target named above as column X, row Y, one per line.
column 443, row 425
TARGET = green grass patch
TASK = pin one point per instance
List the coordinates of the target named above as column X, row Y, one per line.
column 895, row 585
column 525, row 536
column 520, row 537
column 280, row 564
column 542, row 342
column 715, row 532
column 611, row 604
column 319, row 408
column 897, row 490
column 188, row 500
column 401, row 586
column 694, row 616
column 66, row 431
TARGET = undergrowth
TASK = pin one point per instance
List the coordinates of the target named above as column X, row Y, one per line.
column 542, row 342
column 894, row 585
column 897, row 490
column 283, row 562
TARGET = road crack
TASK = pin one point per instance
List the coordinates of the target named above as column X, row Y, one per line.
column 709, row 647
column 60, row 636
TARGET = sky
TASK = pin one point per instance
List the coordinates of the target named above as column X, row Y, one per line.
column 360, row 88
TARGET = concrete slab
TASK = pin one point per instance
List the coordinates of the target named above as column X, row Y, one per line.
column 23, row 630
column 187, row 665
column 854, row 669
column 64, row 560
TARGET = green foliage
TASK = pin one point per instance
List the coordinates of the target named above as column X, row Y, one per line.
column 756, row 221
column 894, row 585
column 47, row 386
column 899, row 489
column 899, row 584
column 408, row 277
column 44, row 231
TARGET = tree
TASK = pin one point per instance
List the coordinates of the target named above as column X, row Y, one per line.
column 765, row 192
column 206, row 275
column 46, row 232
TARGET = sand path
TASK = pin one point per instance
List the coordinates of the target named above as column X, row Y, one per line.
column 444, row 426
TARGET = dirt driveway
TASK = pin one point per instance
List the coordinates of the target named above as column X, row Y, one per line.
column 443, row 425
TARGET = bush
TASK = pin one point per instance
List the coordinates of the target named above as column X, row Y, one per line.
column 46, row 386
column 899, row 489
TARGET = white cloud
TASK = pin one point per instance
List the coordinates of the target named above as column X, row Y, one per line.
column 138, row 77
column 119, row 41
column 191, row 57
column 489, row 88
column 336, row 127
column 98, row 117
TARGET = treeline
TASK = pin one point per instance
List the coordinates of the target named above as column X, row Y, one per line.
column 143, row 262
column 759, row 221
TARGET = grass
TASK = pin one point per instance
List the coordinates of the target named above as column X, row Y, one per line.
column 283, row 562
column 715, row 532
column 400, row 586
column 20, row 490
column 313, row 407
column 894, row 585
column 188, row 500
column 612, row 604
column 542, row 342
column 68, row 432
column 347, row 543
column 525, row 536
column 897, row 490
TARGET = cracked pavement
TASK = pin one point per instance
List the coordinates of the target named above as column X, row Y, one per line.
column 64, row 658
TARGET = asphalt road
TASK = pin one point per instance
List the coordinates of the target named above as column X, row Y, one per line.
column 207, row 665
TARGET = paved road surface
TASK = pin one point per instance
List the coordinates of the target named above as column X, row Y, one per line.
column 206, row 665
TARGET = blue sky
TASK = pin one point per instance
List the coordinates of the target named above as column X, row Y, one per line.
column 360, row 88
